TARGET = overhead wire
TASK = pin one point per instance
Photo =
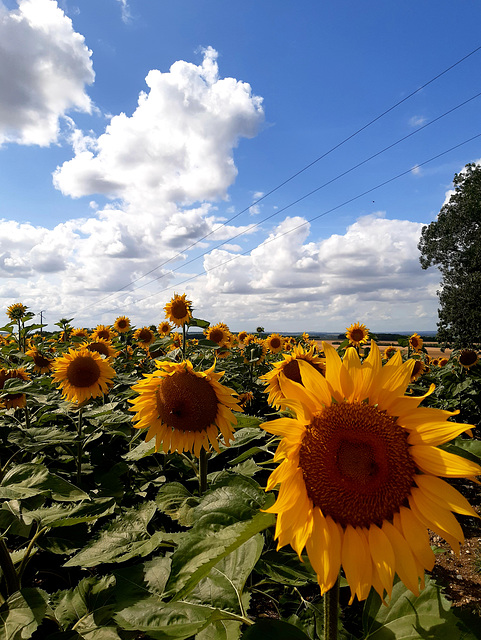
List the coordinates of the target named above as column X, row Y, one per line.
column 317, row 217
column 289, row 179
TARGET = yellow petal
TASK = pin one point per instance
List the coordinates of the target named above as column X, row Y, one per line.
column 353, row 559
column 435, row 515
column 435, row 433
column 382, row 556
column 405, row 563
column 442, row 463
column 444, row 494
column 333, row 371
column 315, row 383
column 416, row 535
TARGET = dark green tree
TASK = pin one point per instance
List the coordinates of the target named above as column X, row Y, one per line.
column 452, row 242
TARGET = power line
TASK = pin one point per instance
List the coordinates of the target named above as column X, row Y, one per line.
column 292, row 177
column 331, row 181
column 321, row 215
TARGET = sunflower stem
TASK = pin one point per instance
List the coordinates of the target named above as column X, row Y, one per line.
column 331, row 612
column 203, row 471
column 27, row 417
column 184, row 340
column 12, row 582
column 79, row 448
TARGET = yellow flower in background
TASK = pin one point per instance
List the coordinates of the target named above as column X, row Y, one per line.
column 16, row 311
column 145, row 337
column 419, row 369
column 275, row 343
column 179, row 310
column 359, row 477
column 122, row 324
column 42, row 364
column 468, row 358
column 416, row 342
column 183, row 409
column 219, row 333
column 389, row 352
column 13, row 400
column 82, row 374
column 103, row 331
column 101, row 346
column 164, row 328
column 357, row 334
column 79, row 333
column 289, row 367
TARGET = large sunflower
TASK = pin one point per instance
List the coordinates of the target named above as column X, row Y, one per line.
column 184, row 409
column 103, row 331
column 13, row 400
column 82, row 374
column 359, row 485
column 357, row 334
column 122, row 324
column 289, row 367
column 468, row 358
column 179, row 310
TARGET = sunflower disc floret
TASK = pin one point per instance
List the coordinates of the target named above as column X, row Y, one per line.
column 360, row 473
column 183, row 409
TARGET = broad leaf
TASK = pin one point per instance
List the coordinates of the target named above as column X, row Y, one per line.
column 21, row 614
column 272, row 629
column 26, row 480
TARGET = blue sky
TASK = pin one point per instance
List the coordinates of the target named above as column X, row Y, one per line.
column 132, row 132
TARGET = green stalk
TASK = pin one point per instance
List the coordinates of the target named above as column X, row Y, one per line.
column 203, row 471
column 184, row 340
column 79, row 448
column 12, row 582
column 331, row 612
column 27, row 417
column 26, row 557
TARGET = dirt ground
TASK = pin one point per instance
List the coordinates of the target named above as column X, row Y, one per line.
column 433, row 352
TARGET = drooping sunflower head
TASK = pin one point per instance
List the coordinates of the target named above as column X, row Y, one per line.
column 13, row 400
column 389, row 352
column 359, row 477
column 179, row 310
column 357, row 334
column 16, row 311
column 122, row 324
column 289, row 368
column 164, row 328
column 275, row 343
column 145, row 337
column 42, row 363
column 416, row 342
column 219, row 333
column 101, row 346
column 241, row 336
column 255, row 351
column 103, row 331
column 468, row 358
column 82, row 374
column 419, row 369
column 184, row 409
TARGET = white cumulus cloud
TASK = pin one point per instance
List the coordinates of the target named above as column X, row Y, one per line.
column 44, row 68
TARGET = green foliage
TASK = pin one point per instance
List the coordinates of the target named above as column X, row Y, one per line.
column 453, row 244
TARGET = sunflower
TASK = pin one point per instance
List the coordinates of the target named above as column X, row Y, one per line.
column 443, row 362
column 79, row 333
column 176, row 340
column 16, row 311
column 13, row 400
column 275, row 343
column 357, row 334
column 289, row 367
column 122, row 324
column 184, row 409
column 103, row 331
column 42, row 364
column 416, row 342
column 179, row 310
column 255, row 351
column 389, row 352
column 164, row 328
column 241, row 336
column 145, row 337
column 219, row 334
column 104, row 347
column 82, row 374
column 418, row 370
column 359, row 483
column 468, row 358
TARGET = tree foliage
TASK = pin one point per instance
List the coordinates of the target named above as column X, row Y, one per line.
column 453, row 244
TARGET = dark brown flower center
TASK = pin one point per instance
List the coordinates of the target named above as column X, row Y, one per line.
column 216, row 335
column 186, row 402
column 145, row 335
column 99, row 347
column 356, row 464
column 468, row 357
column 179, row 309
column 103, row 333
column 357, row 335
column 83, row 372
column 275, row 343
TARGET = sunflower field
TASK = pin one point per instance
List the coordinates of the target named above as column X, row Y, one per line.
column 180, row 481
